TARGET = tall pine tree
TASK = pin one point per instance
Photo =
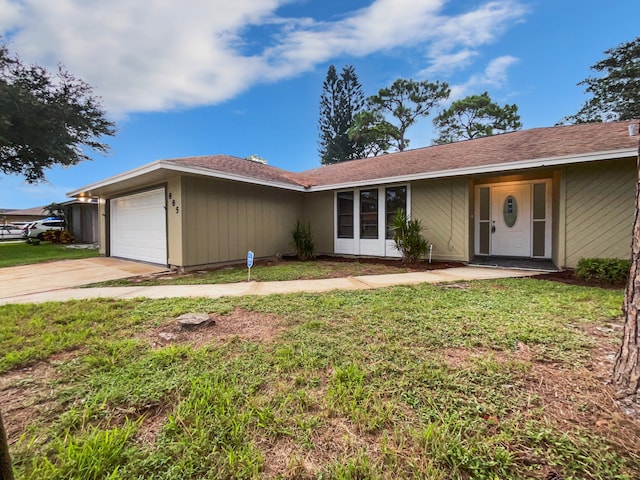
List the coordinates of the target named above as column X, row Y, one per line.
column 342, row 98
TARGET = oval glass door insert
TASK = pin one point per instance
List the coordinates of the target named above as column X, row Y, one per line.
column 510, row 211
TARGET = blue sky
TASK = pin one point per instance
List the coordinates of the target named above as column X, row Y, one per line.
column 245, row 77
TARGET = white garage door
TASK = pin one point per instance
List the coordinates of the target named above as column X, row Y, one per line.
column 139, row 227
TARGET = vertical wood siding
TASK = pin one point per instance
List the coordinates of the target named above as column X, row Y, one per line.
column 600, row 201
column 319, row 210
column 223, row 220
column 175, row 255
column 443, row 208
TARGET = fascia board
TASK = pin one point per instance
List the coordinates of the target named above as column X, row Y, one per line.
column 483, row 169
column 230, row 176
column 170, row 166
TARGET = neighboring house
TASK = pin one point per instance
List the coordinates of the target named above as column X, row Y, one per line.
column 24, row 215
column 559, row 193
column 82, row 218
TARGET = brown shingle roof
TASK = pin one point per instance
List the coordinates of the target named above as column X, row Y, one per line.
column 239, row 167
column 537, row 143
column 489, row 154
column 27, row 211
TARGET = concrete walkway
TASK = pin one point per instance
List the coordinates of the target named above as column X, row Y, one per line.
column 63, row 293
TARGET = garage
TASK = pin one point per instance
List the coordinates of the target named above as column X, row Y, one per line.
column 139, row 227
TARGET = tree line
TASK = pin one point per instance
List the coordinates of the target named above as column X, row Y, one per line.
column 353, row 127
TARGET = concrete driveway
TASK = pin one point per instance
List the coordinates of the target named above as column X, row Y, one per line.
column 51, row 276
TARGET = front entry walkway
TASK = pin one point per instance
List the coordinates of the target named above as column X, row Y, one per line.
column 515, row 262
column 267, row 288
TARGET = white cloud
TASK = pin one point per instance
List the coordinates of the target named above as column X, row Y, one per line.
column 159, row 55
column 494, row 75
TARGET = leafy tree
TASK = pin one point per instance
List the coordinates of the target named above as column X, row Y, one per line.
column 341, row 100
column 616, row 94
column 45, row 119
column 372, row 132
column 406, row 101
column 473, row 117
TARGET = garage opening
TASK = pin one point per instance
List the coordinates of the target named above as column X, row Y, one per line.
column 138, row 228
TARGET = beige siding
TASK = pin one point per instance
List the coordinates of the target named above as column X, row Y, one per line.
column 319, row 210
column 599, row 210
column 223, row 220
column 174, row 221
column 443, row 208
column 102, row 226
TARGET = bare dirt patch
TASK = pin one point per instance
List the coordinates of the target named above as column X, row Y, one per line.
column 335, row 439
column 570, row 396
column 28, row 393
column 240, row 323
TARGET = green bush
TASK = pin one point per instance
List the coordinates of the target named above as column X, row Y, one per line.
column 58, row 236
column 408, row 239
column 605, row 270
column 303, row 240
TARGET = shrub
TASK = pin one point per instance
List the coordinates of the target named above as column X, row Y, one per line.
column 303, row 240
column 58, row 236
column 604, row 270
column 408, row 239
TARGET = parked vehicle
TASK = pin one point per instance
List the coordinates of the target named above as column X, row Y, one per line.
column 10, row 232
column 38, row 228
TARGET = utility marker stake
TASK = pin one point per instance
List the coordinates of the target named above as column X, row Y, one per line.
column 249, row 264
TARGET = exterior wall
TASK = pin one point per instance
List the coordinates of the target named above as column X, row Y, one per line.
column 102, row 222
column 443, row 207
column 319, row 210
column 175, row 220
column 84, row 222
column 223, row 220
column 599, row 210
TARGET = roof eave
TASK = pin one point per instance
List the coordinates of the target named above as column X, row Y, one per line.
column 484, row 169
column 171, row 166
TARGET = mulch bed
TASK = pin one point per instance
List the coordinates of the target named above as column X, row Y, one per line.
column 569, row 277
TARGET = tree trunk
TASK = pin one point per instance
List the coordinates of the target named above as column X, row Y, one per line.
column 626, row 372
column 5, row 460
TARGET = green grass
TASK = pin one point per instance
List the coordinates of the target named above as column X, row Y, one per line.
column 263, row 272
column 22, row 253
column 406, row 382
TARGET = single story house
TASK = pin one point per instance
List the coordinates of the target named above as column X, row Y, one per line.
column 559, row 193
column 82, row 218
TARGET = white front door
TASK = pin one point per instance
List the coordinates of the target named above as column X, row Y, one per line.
column 511, row 220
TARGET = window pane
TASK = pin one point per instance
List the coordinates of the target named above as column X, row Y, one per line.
column 369, row 213
column 538, row 239
column 396, row 199
column 539, row 201
column 484, row 203
column 484, row 238
column 345, row 215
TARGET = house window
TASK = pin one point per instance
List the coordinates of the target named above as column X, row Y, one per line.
column 539, row 218
column 369, row 213
column 484, row 221
column 395, row 199
column 345, row 214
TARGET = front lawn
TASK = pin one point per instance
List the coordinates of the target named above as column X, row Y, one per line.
column 22, row 253
column 497, row 379
column 277, row 270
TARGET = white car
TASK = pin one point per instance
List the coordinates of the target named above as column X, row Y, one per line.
column 11, row 232
column 37, row 229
